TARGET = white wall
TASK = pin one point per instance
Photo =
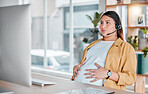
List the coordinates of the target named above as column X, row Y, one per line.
column 63, row 3
column 12, row 2
column 101, row 6
column 8, row 2
column 51, row 8
column 38, row 9
column 23, row 2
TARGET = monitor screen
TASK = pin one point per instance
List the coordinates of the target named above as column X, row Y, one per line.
column 15, row 44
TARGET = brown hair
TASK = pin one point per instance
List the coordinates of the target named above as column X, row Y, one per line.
column 117, row 20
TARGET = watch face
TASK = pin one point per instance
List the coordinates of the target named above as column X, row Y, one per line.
column 109, row 73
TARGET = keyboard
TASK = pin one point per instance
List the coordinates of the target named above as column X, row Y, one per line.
column 42, row 82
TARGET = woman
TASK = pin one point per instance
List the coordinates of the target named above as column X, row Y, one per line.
column 110, row 61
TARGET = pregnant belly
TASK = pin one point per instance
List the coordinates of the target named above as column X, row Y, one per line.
column 81, row 76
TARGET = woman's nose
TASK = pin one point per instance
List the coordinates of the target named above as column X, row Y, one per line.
column 103, row 25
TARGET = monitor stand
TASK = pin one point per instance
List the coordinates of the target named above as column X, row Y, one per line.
column 5, row 91
column 42, row 82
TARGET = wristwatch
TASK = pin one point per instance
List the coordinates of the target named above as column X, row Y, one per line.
column 109, row 74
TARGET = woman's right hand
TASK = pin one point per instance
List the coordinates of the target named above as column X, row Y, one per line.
column 76, row 68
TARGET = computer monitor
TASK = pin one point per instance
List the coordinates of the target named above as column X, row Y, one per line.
column 15, row 44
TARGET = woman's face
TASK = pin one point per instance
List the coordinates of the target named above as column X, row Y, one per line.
column 107, row 25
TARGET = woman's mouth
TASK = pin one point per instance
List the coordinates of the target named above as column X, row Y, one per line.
column 103, row 30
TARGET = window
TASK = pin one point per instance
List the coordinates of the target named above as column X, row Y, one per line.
column 81, row 28
column 58, row 30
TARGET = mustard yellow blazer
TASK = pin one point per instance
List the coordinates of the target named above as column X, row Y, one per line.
column 121, row 58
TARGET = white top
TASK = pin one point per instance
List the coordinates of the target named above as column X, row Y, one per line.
column 97, row 54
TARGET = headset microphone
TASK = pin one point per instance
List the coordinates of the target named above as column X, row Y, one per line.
column 112, row 32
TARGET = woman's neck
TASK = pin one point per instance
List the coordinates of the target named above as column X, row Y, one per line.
column 111, row 38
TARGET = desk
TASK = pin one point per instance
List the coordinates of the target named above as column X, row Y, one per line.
column 62, row 84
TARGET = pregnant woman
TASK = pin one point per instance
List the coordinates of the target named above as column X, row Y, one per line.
column 110, row 61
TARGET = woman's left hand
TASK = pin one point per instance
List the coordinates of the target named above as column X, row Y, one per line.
column 99, row 73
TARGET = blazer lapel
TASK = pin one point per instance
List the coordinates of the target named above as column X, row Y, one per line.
column 112, row 51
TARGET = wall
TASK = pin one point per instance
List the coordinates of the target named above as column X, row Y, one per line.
column 12, row 2
column 8, row 2
column 38, row 7
column 101, row 5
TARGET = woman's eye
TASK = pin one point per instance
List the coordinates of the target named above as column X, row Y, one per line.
column 101, row 22
column 107, row 22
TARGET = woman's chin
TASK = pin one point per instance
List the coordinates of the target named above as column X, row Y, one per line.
column 104, row 34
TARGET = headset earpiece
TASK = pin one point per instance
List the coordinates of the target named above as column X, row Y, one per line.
column 118, row 27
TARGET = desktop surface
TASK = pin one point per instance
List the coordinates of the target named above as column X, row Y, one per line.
column 62, row 85
column 88, row 90
column 5, row 91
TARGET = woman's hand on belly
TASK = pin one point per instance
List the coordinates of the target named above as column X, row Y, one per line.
column 76, row 68
column 99, row 73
